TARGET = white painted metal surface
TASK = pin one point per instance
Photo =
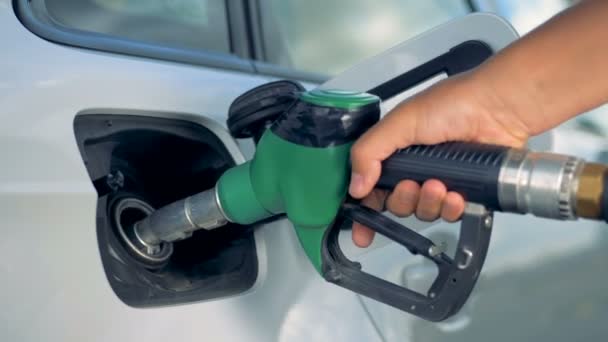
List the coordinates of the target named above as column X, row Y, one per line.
column 53, row 283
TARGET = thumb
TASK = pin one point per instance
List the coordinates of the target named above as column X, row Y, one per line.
column 377, row 144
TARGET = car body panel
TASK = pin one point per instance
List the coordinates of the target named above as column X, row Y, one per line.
column 54, row 286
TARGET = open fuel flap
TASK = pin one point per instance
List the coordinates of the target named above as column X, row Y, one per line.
column 138, row 164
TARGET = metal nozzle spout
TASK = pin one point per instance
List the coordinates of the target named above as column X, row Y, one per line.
column 178, row 220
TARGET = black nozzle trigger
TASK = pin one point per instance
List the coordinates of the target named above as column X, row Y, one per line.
column 456, row 277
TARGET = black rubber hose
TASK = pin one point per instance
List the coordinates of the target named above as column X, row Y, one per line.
column 604, row 199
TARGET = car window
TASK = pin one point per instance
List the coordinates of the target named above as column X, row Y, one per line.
column 326, row 37
column 193, row 24
column 523, row 15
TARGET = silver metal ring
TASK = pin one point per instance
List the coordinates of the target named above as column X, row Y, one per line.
column 567, row 194
column 219, row 204
column 148, row 253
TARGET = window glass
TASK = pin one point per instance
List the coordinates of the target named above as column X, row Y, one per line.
column 328, row 36
column 194, row 24
column 523, row 15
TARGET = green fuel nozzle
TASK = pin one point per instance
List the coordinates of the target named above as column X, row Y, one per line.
column 301, row 169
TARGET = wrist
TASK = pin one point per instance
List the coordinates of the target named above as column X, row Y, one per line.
column 507, row 100
column 508, row 87
column 499, row 108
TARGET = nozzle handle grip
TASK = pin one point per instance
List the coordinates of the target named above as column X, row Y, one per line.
column 471, row 169
column 456, row 276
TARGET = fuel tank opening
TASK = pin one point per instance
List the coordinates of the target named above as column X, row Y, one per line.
column 139, row 164
column 126, row 212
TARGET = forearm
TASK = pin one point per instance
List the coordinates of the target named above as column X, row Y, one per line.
column 555, row 72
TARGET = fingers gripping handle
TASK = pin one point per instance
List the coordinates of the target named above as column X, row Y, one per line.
column 470, row 169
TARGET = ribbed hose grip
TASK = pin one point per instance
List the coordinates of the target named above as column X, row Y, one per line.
column 470, row 169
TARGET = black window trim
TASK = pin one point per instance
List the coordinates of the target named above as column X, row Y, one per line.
column 254, row 26
column 255, row 29
column 236, row 14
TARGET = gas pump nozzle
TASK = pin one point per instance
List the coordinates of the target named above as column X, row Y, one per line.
column 301, row 168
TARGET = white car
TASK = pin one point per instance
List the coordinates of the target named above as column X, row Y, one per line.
column 108, row 99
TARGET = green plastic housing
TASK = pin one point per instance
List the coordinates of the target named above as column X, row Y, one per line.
column 306, row 183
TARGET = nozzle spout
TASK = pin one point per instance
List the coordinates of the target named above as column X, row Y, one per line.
column 178, row 220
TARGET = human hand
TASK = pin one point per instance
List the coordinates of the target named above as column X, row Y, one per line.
column 460, row 108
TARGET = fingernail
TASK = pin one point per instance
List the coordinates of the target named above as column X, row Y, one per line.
column 356, row 185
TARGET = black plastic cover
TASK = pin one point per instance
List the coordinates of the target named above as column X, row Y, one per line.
column 312, row 125
column 456, row 277
column 470, row 169
column 460, row 58
column 252, row 111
